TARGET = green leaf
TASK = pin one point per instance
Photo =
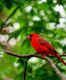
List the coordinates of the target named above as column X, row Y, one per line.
column 15, row 34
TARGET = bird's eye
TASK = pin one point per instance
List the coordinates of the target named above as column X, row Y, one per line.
column 30, row 35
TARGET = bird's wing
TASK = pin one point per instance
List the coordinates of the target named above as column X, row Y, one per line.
column 45, row 43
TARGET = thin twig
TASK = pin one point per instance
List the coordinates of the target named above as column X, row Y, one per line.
column 25, row 69
column 14, row 11
column 57, row 70
column 25, row 61
column 11, row 14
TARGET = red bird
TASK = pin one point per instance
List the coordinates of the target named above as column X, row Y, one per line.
column 43, row 47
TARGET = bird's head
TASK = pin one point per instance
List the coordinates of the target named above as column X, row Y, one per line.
column 33, row 35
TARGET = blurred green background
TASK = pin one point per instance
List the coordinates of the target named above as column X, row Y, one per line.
column 19, row 18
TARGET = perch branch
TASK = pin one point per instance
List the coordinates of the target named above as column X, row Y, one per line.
column 56, row 70
column 25, row 56
column 36, row 55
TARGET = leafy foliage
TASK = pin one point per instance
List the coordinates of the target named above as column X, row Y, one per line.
column 33, row 16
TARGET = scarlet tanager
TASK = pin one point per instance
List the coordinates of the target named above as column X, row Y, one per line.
column 43, row 47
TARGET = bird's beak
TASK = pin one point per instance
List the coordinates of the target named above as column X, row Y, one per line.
column 29, row 37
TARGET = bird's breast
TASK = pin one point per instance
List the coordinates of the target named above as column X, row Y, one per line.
column 41, row 49
column 35, row 45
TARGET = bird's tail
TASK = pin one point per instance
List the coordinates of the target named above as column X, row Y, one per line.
column 60, row 59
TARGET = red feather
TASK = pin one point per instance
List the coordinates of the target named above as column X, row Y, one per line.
column 43, row 47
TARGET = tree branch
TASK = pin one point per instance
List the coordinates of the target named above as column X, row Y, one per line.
column 25, row 69
column 25, row 62
column 25, row 56
column 11, row 14
column 41, row 57
column 2, row 25
column 56, row 70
